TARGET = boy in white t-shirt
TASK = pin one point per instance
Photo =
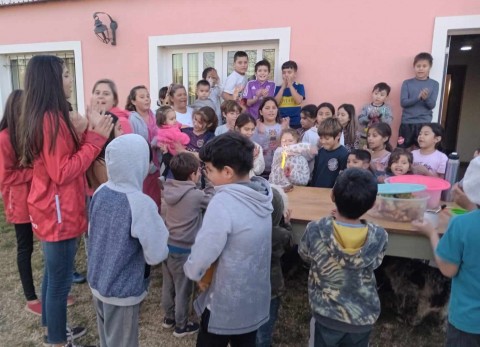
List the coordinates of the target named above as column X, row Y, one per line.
column 236, row 81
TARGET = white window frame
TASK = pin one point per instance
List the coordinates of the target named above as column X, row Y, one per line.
column 445, row 26
column 5, row 78
column 158, row 47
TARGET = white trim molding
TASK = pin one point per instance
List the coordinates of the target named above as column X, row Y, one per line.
column 157, row 46
column 75, row 46
column 445, row 26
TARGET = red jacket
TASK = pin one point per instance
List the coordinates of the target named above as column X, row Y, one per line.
column 57, row 197
column 123, row 116
column 14, row 182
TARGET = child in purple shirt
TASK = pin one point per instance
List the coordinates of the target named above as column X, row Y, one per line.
column 259, row 88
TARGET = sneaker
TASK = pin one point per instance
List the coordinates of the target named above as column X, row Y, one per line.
column 75, row 332
column 34, row 307
column 72, row 334
column 168, row 323
column 78, row 278
column 189, row 329
column 70, row 300
column 71, row 344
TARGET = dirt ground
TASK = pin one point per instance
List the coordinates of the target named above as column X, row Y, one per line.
column 20, row 328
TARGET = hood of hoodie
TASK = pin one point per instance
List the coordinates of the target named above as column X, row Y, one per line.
column 376, row 240
column 256, row 194
column 127, row 161
column 175, row 190
column 119, row 112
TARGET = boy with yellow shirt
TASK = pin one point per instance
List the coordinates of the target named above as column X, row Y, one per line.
column 343, row 252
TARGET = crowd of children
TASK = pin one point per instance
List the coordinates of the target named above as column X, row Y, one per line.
column 216, row 161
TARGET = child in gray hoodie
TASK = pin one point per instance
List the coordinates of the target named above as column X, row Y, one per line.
column 185, row 207
column 237, row 234
column 125, row 232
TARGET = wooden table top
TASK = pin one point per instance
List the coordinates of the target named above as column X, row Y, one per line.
column 308, row 203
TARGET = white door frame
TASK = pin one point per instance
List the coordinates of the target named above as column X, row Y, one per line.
column 159, row 45
column 75, row 46
column 445, row 26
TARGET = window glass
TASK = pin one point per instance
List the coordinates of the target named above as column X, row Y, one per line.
column 18, row 66
column 193, row 76
column 208, row 59
column 269, row 54
column 177, row 68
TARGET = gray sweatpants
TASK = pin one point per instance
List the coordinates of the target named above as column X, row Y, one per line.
column 117, row 325
column 176, row 289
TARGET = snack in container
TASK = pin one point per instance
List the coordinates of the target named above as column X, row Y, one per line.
column 400, row 207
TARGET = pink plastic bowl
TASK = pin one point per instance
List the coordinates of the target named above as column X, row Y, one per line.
column 434, row 186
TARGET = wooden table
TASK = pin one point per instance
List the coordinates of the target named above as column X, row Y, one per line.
column 309, row 204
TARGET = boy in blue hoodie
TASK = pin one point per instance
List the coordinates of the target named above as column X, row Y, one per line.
column 236, row 234
column 343, row 252
column 125, row 233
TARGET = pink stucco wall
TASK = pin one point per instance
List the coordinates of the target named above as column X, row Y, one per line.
column 342, row 47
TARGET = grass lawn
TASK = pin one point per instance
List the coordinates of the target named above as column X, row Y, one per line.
column 20, row 328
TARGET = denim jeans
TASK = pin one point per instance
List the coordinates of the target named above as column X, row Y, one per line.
column 459, row 338
column 265, row 332
column 24, row 235
column 326, row 337
column 57, row 281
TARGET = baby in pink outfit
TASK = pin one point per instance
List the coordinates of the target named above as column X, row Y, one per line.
column 169, row 132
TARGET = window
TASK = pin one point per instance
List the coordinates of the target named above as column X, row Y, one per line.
column 18, row 66
column 187, row 64
column 14, row 60
column 168, row 54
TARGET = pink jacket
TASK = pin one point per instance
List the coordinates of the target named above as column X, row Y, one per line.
column 170, row 135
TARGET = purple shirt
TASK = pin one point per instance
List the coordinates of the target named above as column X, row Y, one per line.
column 197, row 141
column 251, row 90
column 435, row 162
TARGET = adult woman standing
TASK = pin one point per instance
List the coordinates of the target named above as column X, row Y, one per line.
column 15, row 183
column 60, row 158
column 144, row 124
column 178, row 99
column 105, row 94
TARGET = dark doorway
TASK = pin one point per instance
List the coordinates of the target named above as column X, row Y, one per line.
column 456, row 81
column 460, row 114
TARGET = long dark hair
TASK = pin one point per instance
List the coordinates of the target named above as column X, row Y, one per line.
column 43, row 94
column 384, row 130
column 350, row 130
column 132, row 96
column 262, row 105
column 11, row 115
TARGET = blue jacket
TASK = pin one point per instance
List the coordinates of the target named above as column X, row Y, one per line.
column 125, row 229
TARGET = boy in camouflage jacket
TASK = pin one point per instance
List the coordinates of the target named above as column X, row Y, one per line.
column 343, row 252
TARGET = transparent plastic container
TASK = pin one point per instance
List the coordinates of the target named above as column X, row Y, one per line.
column 399, row 210
column 434, row 185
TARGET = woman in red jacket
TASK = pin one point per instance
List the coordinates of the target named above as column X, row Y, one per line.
column 15, row 185
column 60, row 159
